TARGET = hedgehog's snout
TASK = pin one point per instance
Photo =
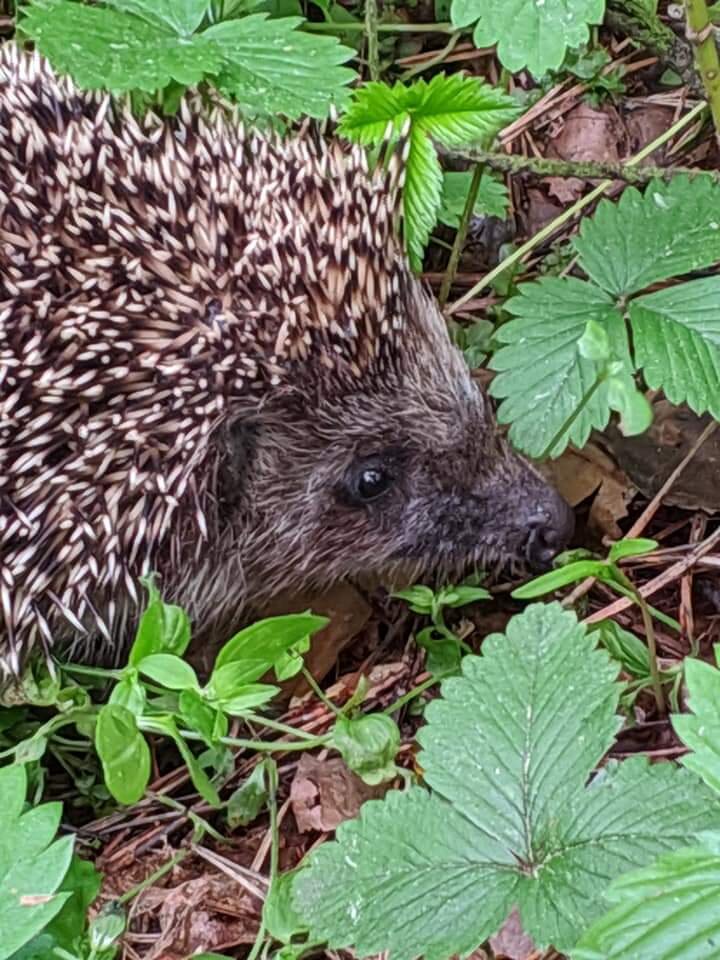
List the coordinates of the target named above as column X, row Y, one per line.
column 550, row 530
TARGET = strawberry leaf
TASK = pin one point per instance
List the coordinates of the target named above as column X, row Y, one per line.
column 529, row 33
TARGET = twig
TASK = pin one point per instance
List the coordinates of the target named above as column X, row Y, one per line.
column 514, row 163
column 652, row 586
column 650, row 510
column 701, row 34
column 568, row 214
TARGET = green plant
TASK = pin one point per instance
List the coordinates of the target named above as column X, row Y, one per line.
column 671, row 909
column 267, row 66
column 528, row 33
column 451, row 110
column 444, row 648
column 491, row 201
column 33, row 863
column 159, row 693
column 566, row 360
column 509, row 818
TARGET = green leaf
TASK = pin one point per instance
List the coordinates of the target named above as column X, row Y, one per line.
column 507, row 753
column 247, row 801
column 123, row 752
column 105, row 49
column 420, row 599
column 462, row 595
column 528, row 33
column 249, row 697
column 282, row 920
column 491, row 201
column 676, row 333
column 633, row 547
column 183, row 17
column 561, row 577
column 258, row 646
column 454, row 111
column 368, row 745
column 543, row 380
column 199, row 715
column 669, row 911
column 82, row 883
column 700, row 730
column 635, row 411
column 169, row 671
column 166, row 726
column 163, row 628
column 32, row 863
column 421, row 195
column 274, row 68
column 623, row 646
column 670, row 229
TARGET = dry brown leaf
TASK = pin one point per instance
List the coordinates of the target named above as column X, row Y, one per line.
column 324, row 793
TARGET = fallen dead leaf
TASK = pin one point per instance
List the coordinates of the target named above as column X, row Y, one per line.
column 324, row 793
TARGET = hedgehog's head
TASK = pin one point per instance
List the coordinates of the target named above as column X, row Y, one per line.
column 398, row 476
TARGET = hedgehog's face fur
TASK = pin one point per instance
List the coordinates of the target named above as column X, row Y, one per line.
column 406, row 481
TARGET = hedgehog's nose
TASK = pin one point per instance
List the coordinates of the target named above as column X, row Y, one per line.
column 550, row 531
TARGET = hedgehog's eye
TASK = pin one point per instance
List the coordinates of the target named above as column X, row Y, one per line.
column 373, row 482
column 366, row 481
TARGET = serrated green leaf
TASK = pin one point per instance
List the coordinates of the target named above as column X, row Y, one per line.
column 181, row 16
column 421, row 195
column 669, row 911
column 542, row 377
column 700, row 730
column 510, row 820
column 274, row 68
column 491, row 201
column 676, row 334
column 105, row 49
column 670, row 229
column 454, row 110
column 529, row 33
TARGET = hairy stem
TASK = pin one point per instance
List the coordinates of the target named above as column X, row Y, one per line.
column 515, row 163
column 701, row 34
column 371, row 30
column 650, row 637
column 568, row 214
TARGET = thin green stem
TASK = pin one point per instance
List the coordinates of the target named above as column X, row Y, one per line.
column 411, row 695
column 272, row 779
column 701, row 34
column 461, row 234
column 568, row 214
column 381, row 27
column 650, row 637
column 319, row 693
column 263, row 746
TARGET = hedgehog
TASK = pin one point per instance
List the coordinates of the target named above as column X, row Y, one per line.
column 216, row 366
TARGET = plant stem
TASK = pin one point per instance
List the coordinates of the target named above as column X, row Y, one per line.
column 568, row 214
column 701, row 34
column 457, row 247
column 516, row 163
column 371, row 29
column 381, row 27
column 272, row 779
column 650, row 637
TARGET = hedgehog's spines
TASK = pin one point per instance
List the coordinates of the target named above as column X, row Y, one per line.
column 157, row 277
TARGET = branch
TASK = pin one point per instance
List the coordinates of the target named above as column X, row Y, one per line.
column 513, row 163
